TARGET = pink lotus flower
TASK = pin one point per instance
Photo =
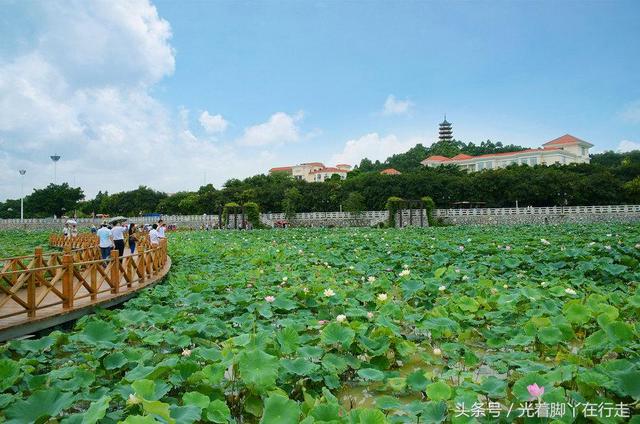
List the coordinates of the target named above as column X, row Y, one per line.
column 535, row 390
column 269, row 299
column 322, row 322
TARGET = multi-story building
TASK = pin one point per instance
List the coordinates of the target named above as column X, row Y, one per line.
column 313, row 171
column 562, row 150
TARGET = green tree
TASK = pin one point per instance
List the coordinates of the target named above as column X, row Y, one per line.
column 291, row 202
column 354, row 203
column 55, row 199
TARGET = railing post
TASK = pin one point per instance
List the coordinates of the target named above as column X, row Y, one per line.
column 38, row 264
column 67, row 281
column 115, row 272
column 93, row 275
column 141, row 264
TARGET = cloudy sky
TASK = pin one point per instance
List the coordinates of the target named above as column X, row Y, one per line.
column 170, row 94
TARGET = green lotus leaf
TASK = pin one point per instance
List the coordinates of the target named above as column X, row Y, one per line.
column 576, row 312
column 161, row 409
column 98, row 332
column 619, row 332
column 114, row 361
column 439, row 391
column 388, row 402
column 218, row 412
column 140, row 419
column 96, row 411
column 288, row 339
column 367, row 416
column 9, row 372
column 280, row 410
column 187, row 414
column 299, row 366
column 149, row 389
column 41, row 404
column 337, row 334
column 197, row 399
column 417, row 381
column 326, row 412
column 550, row 335
column 258, row 369
column 371, row 374
column 434, row 412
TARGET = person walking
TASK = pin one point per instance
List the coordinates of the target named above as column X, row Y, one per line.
column 154, row 239
column 117, row 234
column 74, row 230
column 65, row 230
column 104, row 235
column 161, row 228
column 132, row 237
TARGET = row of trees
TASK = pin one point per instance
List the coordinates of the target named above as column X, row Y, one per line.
column 611, row 178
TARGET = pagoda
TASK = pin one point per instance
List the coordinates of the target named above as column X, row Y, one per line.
column 446, row 133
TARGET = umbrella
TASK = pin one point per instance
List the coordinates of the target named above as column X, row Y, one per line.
column 71, row 221
column 116, row 219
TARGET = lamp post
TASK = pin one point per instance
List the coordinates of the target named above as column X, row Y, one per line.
column 55, row 158
column 22, row 172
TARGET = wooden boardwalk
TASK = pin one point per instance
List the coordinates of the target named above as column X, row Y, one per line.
column 47, row 289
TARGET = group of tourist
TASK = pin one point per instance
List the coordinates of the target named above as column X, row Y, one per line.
column 114, row 237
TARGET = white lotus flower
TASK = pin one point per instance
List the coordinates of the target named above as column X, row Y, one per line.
column 329, row 293
column 508, row 247
column 285, row 278
column 382, row 297
column 505, row 286
column 442, row 288
column 544, row 284
column 186, row 352
column 461, row 248
column 270, row 299
column 371, row 279
column 465, row 277
column 341, row 318
column 370, row 315
column 133, row 399
column 570, row 291
column 544, row 241
column 404, row 272
column 305, row 290
column 437, row 351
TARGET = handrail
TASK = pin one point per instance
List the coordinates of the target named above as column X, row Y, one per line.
column 38, row 285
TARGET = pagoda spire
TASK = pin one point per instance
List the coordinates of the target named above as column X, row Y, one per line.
column 445, row 132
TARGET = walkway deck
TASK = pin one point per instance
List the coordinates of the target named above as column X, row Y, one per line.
column 45, row 290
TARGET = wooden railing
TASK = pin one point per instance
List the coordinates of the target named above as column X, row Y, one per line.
column 29, row 284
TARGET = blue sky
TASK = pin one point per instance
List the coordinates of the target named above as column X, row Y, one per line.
column 229, row 88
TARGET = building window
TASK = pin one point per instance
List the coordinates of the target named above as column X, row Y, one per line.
column 584, row 151
column 533, row 161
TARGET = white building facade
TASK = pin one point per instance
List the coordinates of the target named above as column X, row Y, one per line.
column 314, row 171
column 562, row 150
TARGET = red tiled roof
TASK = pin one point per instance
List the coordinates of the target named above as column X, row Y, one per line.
column 461, row 156
column 390, row 171
column 343, row 164
column 330, row 169
column 565, row 139
column 281, row 168
column 438, row 158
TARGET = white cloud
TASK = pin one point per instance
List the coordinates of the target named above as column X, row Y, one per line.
column 632, row 112
column 213, row 123
column 392, row 106
column 372, row 146
column 83, row 89
column 627, row 146
column 281, row 128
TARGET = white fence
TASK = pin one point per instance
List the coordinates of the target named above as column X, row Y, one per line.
column 553, row 210
column 372, row 216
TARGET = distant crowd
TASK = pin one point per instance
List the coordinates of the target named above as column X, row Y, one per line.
column 119, row 234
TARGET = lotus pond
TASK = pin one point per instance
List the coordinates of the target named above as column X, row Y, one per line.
column 354, row 326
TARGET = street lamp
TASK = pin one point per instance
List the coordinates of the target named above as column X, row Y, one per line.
column 22, row 172
column 55, row 158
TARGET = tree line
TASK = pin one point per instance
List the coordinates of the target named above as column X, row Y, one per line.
column 610, row 178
